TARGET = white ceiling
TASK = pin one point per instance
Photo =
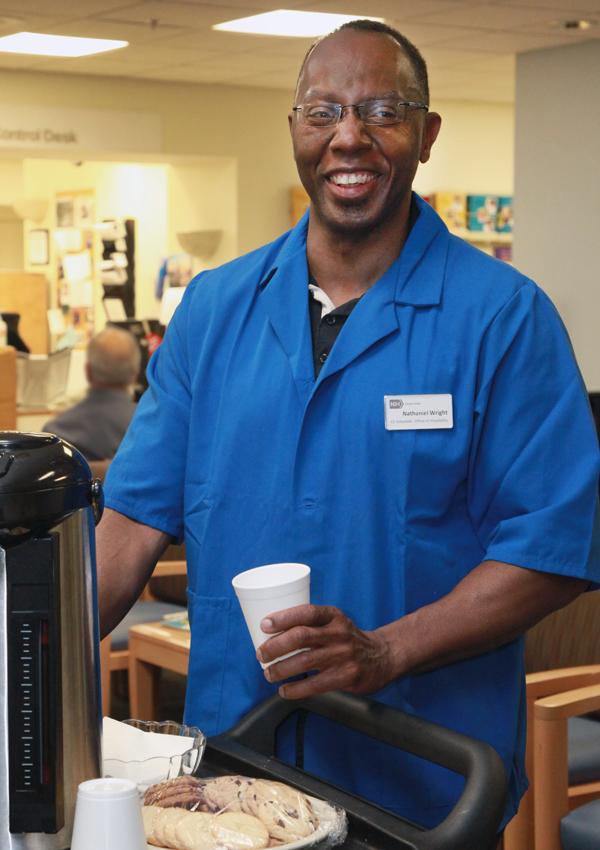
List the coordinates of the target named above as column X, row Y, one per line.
column 469, row 44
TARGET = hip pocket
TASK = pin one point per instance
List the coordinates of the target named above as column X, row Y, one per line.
column 209, row 622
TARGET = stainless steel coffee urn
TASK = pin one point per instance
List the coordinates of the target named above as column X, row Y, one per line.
column 50, row 704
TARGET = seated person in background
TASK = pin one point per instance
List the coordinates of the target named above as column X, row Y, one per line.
column 97, row 424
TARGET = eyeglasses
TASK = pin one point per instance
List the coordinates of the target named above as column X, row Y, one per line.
column 381, row 113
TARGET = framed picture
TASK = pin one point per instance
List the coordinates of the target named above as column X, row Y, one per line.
column 65, row 211
column 39, row 247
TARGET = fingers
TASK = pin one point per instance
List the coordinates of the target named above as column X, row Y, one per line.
column 295, row 628
column 308, row 615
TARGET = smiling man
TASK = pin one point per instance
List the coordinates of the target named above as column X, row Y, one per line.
column 375, row 398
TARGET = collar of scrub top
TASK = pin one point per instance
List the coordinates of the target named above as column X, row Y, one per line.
column 416, row 278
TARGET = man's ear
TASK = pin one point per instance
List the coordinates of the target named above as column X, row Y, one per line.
column 433, row 122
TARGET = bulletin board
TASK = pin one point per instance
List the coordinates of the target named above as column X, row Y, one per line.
column 74, row 244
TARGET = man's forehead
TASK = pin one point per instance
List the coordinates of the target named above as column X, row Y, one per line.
column 351, row 58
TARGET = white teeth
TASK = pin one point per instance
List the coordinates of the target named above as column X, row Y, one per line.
column 351, row 179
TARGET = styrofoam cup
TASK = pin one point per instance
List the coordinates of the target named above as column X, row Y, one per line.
column 108, row 816
column 265, row 590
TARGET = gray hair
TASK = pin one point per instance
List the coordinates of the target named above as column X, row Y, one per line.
column 114, row 356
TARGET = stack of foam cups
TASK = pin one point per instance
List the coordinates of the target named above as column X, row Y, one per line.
column 108, row 816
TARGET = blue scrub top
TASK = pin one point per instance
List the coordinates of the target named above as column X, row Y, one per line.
column 236, row 447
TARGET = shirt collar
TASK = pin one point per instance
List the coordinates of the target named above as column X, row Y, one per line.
column 419, row 271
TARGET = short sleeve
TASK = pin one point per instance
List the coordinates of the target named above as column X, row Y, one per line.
column 145, row 481
column 534, row 463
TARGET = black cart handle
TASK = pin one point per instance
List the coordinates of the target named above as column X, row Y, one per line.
column 471, row 825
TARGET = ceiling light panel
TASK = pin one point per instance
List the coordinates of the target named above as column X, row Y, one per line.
column 285, row 22
column 41, row 44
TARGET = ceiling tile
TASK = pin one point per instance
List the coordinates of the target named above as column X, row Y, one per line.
column 58, row 8
column 569, row 9
column 232, row 42
column 97, row 28
column 294, row 48
column 424, row 34
column 388, row 9
column 94, row 65
column 158, row 54
column 18, row 60
column 563, row 36
column 487, row 16
column 501, row 42
column 31, row 22
column 243, row 8
column 176, row 14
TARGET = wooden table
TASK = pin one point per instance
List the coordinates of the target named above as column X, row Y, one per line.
column 152, row 647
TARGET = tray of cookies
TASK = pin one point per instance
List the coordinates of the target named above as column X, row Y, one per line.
column 237, row 813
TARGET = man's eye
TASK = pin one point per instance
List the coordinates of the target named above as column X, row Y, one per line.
column 321, row 113
column 381, row 110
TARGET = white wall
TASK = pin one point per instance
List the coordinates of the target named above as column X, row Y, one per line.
column 203, row 196
column 474, row 152
column 557, row 188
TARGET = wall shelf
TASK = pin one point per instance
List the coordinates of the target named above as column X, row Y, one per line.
column 478, row 237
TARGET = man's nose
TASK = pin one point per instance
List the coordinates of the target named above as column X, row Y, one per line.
column 350, row 132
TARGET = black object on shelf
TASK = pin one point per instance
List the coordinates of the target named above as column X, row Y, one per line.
column 125, row 291
column 249, row 749
column 12, row 332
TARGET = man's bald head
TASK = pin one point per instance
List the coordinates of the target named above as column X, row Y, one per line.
column 416, row 61
column 113, row 358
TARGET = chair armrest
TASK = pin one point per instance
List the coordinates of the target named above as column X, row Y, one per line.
column 567, row 679
column 176, row 568
column 568, row 704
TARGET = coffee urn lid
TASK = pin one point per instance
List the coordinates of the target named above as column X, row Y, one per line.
column 42, row 480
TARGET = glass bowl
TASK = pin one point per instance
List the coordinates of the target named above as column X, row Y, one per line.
column 147, row 771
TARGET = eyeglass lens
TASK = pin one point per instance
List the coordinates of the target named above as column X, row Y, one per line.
column 378, row 112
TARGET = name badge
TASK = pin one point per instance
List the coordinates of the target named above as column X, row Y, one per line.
column 418, row 412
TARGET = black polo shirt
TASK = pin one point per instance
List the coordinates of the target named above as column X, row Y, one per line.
column 325, row 330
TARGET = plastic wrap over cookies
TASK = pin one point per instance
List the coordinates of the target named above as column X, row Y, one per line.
column 238, row 813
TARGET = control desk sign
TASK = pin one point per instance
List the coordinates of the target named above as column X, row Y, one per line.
column 74, row 129
column 418, row 412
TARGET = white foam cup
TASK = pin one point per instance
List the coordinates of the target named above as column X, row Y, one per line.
column 108, row 816
column 265, row 590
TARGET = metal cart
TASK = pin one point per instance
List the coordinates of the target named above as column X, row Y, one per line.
column 249, row 749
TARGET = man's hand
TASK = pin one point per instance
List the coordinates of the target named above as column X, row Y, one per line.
column 347, row 658
column 494, row 604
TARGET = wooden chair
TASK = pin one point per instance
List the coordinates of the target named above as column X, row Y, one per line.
column 562, row 653
column 553, row 797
